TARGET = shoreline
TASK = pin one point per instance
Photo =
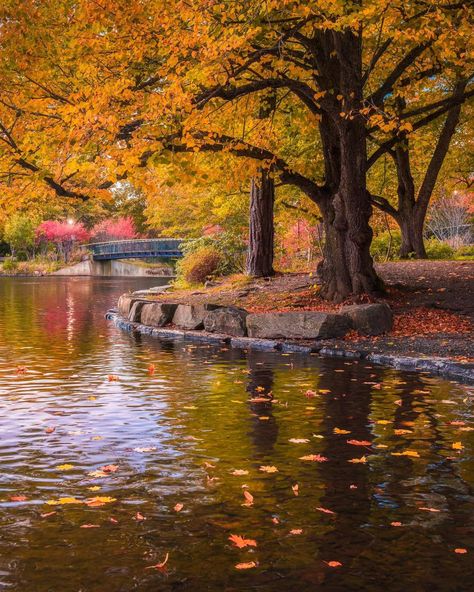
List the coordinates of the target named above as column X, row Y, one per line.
column 439, row 366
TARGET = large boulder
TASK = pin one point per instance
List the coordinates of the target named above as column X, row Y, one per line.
column 297, row 325
column 191, row 316
column 157, row 314
column 228, row 320
column 369, row 319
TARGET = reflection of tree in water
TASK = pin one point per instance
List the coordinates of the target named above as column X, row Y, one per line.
column 263, row 432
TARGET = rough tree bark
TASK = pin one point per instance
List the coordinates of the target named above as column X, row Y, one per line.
column 347, row 268
column 261, row 229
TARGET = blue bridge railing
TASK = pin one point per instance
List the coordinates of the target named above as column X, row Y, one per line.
column 137, row 249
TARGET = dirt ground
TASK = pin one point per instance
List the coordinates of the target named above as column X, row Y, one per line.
column 433, row 304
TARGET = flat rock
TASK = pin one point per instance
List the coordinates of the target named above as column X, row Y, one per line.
column 229, row 320
column 191, row 316
column 124, row 304
column 157, row 314
column 297, row 325
column 369, row 319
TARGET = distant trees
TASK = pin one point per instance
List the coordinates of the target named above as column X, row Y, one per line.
column 114, row 229
column 62, row 236
column 19, row 233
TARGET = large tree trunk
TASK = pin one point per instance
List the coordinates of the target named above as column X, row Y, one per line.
column 347, row 268
column 411, row 223
column 261, row 231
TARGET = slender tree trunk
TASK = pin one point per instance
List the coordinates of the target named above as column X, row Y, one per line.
column 411, row 222
column 261, row 231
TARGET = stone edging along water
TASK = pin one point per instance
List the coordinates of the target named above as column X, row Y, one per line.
column 438, row 366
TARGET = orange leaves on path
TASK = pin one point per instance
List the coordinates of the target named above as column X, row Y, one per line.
column 241, row 542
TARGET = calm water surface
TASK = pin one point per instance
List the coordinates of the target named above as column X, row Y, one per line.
column 177, row 436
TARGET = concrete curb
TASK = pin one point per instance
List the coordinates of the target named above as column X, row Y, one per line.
column 438, row 366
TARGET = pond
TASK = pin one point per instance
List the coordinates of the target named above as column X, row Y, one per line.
column 120, row 453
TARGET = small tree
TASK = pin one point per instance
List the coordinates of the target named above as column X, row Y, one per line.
column 19, row 233
column 62, row 235
column 449, row 220
column 114, row 229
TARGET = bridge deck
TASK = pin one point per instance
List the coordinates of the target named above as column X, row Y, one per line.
column 136, row 249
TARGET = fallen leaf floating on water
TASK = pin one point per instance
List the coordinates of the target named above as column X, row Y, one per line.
column 113, row 520
column 21, row 369
column 48, row 514
column 333, row 563
column 109, row 468
column 296, row 531
column 340, row 431
column 112, row 377
column 425, row 509
column 63, row 501
column 362, row 459
column 208, row 465
column 298, row 440
column 178, row 507
column 90, row 526
column 248, row 498
column 95, row 502
column 151, row 369
column 310, row 394
column 94, row 488
column 275, row 520
column 241, row 542
column 246, row 565
column 268, row 469
column 412, row 453
column 457, row 446
column 18, row 498
column 239, row 472
column 159, row 565
column 145, row 449
column 325, row 510
column 314, row 458
column 296, row 489
column 460, row 551
column 96, row 474
column 395, row 523
column 402, row 432
column 383, row 422
column 359, row 442
column 49, row 430
column 66, row 467
column 139, row 517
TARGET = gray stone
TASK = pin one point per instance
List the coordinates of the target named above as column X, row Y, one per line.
column 136, row 310
column 297, row 325
column 228, row 320
column 370, row 319
column 191, row 316
column 124, row 304
column 157, row 314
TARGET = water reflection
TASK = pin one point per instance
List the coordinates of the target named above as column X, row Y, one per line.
column 194, row 434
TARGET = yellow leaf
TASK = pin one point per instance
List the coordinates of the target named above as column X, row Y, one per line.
column 362, row 459
column 64, row 500
column 340, row 431
column 457, row 446
column 412, row 453
column 65, row 467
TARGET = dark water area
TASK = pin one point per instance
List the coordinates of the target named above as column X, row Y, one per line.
column 98, row 452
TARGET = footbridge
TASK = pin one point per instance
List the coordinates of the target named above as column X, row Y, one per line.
column 136, row 249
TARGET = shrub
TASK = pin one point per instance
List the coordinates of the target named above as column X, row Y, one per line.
column 465, row 253
column 386, row 245
column 436, row 249
column 20, row 235
column 63, row 235
column 10, row 265
column 230, row 246
column 197, row 266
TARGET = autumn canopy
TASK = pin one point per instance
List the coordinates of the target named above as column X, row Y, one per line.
column 314, row 95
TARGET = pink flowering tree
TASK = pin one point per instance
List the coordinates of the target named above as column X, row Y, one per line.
column 62, row 236
column 114, row 229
